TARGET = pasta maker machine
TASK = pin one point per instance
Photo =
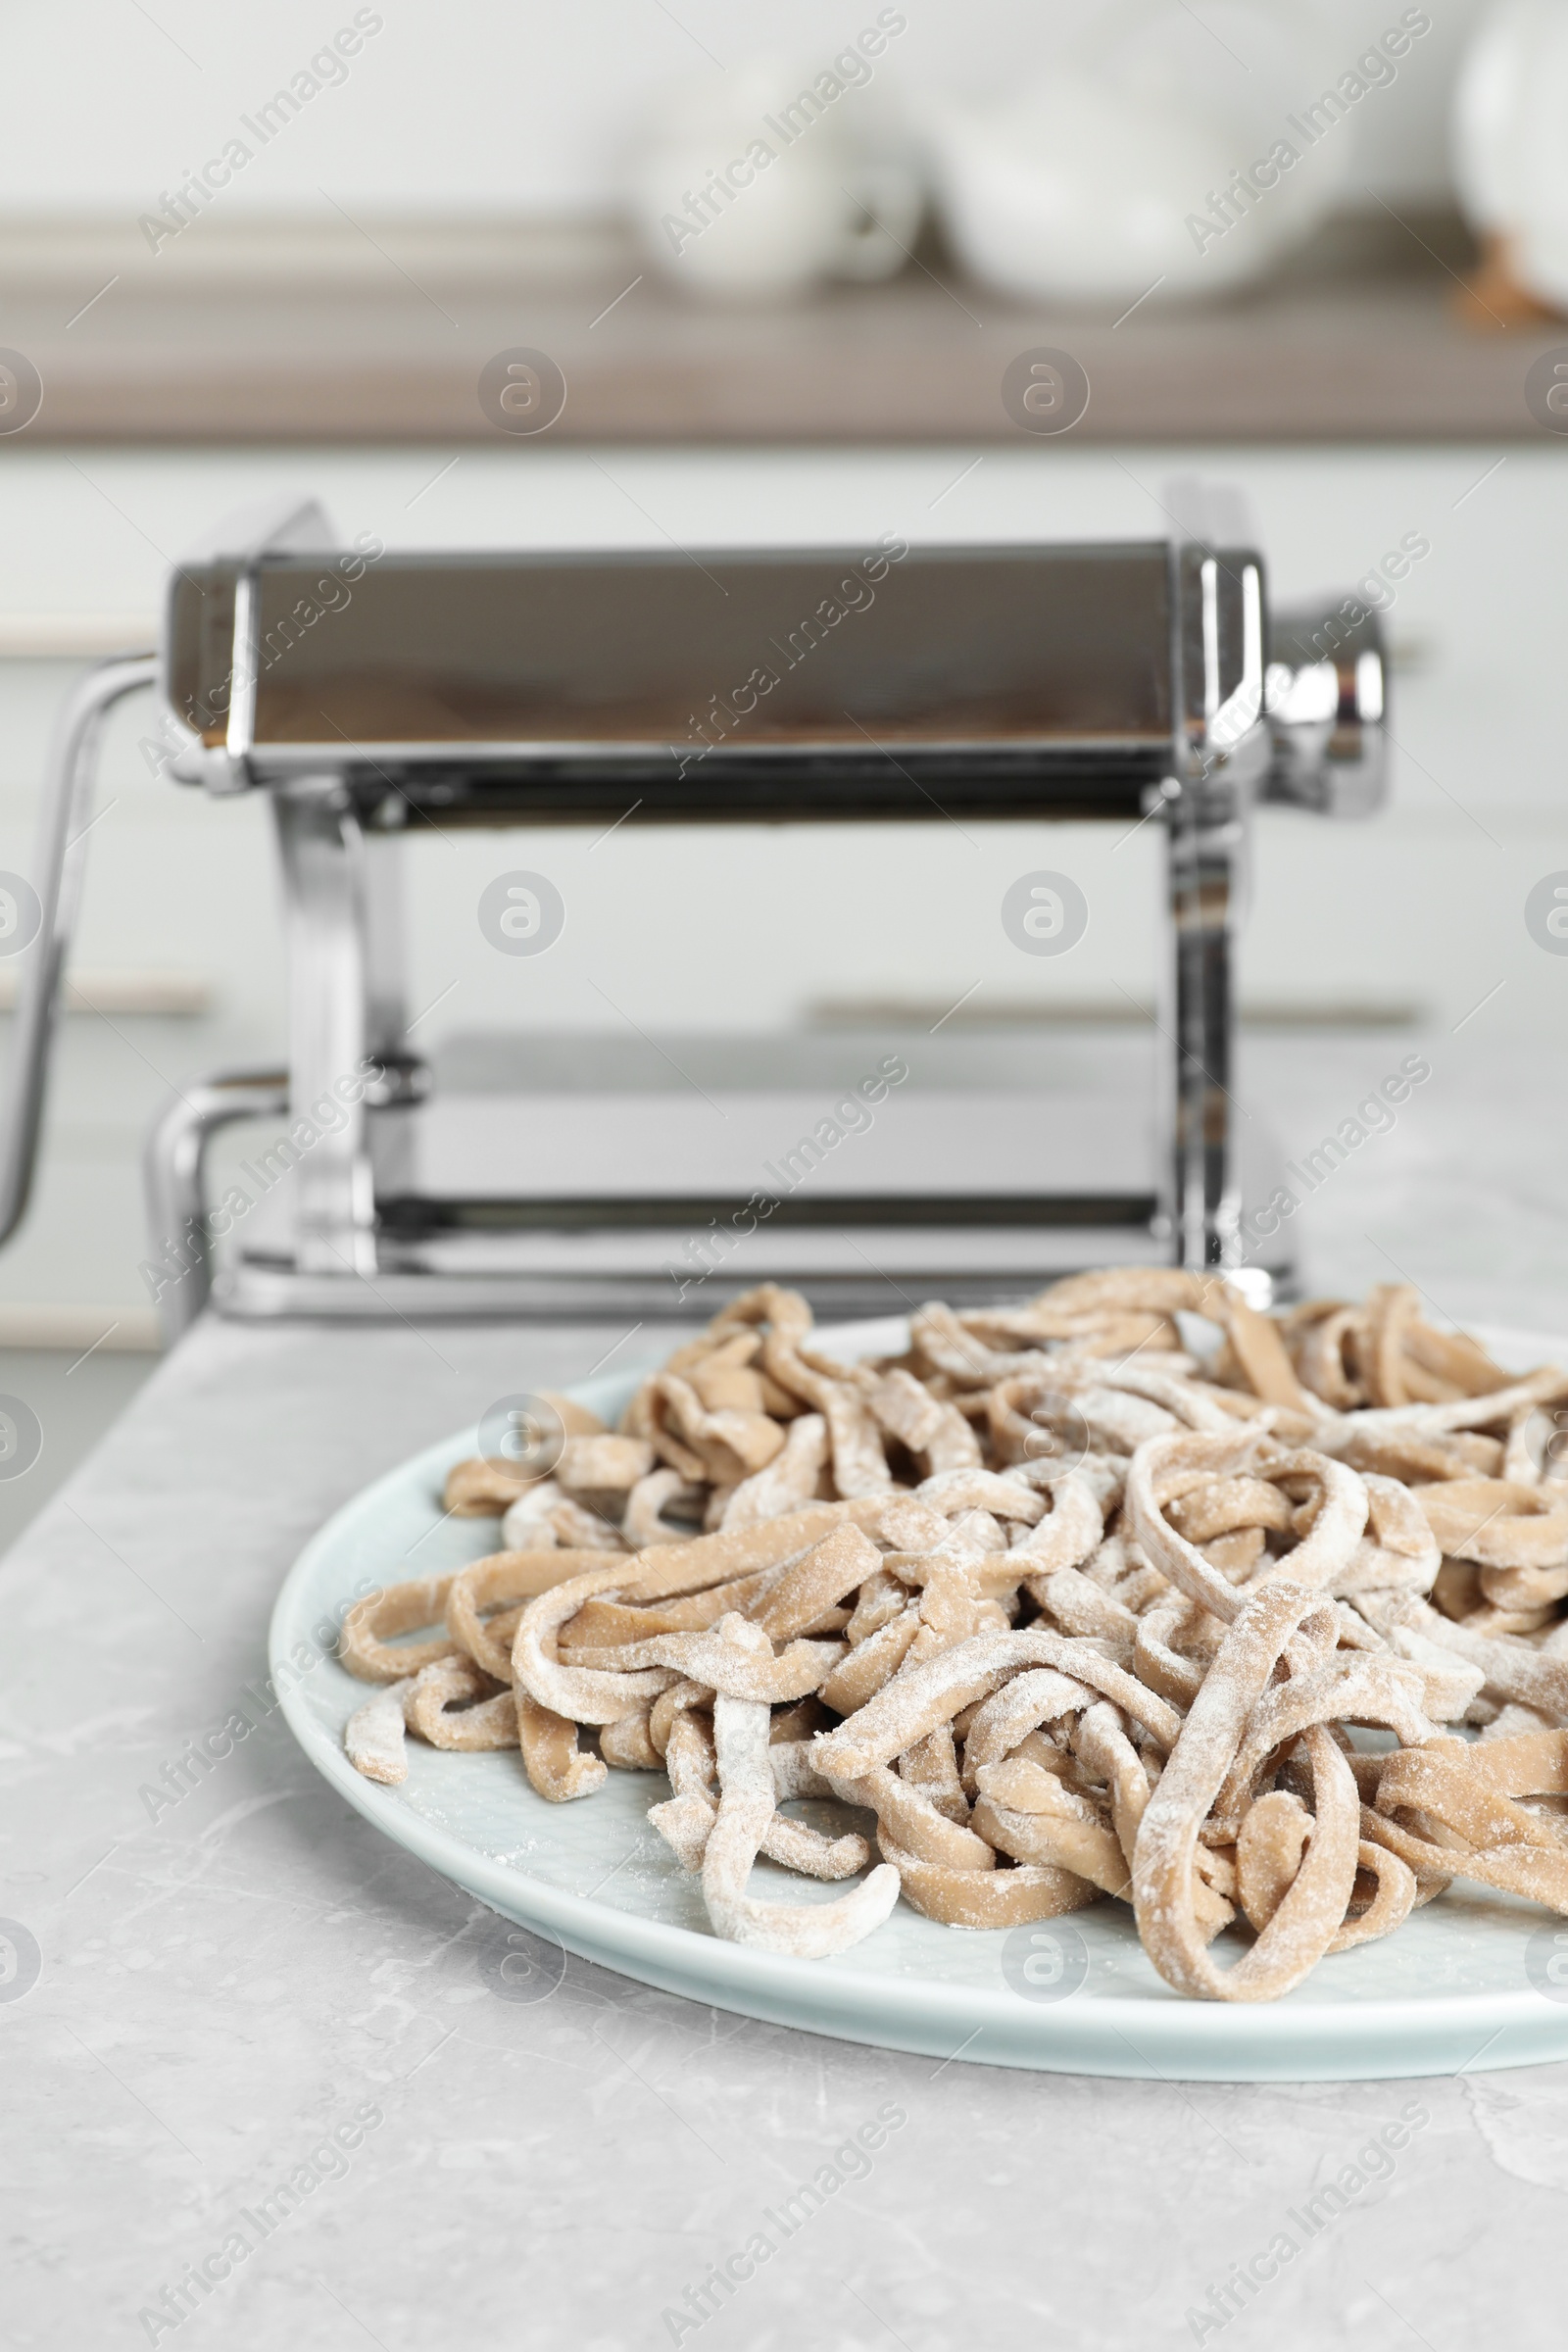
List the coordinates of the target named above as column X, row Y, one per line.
column 370, row 693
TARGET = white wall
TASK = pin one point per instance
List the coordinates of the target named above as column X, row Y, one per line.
column 501, row 106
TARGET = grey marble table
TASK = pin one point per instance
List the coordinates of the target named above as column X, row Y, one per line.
column 256, row 1991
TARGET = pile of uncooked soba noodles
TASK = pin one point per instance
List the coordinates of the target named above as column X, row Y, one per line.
column 1075, row 1598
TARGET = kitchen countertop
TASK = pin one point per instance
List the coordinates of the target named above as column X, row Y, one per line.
column 221, row 1987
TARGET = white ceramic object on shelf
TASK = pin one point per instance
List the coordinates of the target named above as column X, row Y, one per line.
column 1116, row 171
column 769, row 184
column 1510, row 141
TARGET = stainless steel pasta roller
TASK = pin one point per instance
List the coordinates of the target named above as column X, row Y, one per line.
column 375, row 694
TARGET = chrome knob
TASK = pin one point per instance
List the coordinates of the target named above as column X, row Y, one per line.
column 1324, row 695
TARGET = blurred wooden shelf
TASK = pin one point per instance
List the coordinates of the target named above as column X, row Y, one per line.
column 1359, row 342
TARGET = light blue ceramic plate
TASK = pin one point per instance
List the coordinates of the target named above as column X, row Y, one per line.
column 1469, row 1982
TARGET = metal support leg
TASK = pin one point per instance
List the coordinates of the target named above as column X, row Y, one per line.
column 386, row 998
column 1222, row 753
column 330, row 1025
column 178, row 1268
column 1203, row 851
column 390, row 1135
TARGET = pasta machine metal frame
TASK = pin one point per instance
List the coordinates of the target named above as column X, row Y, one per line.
column 1132, row 681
